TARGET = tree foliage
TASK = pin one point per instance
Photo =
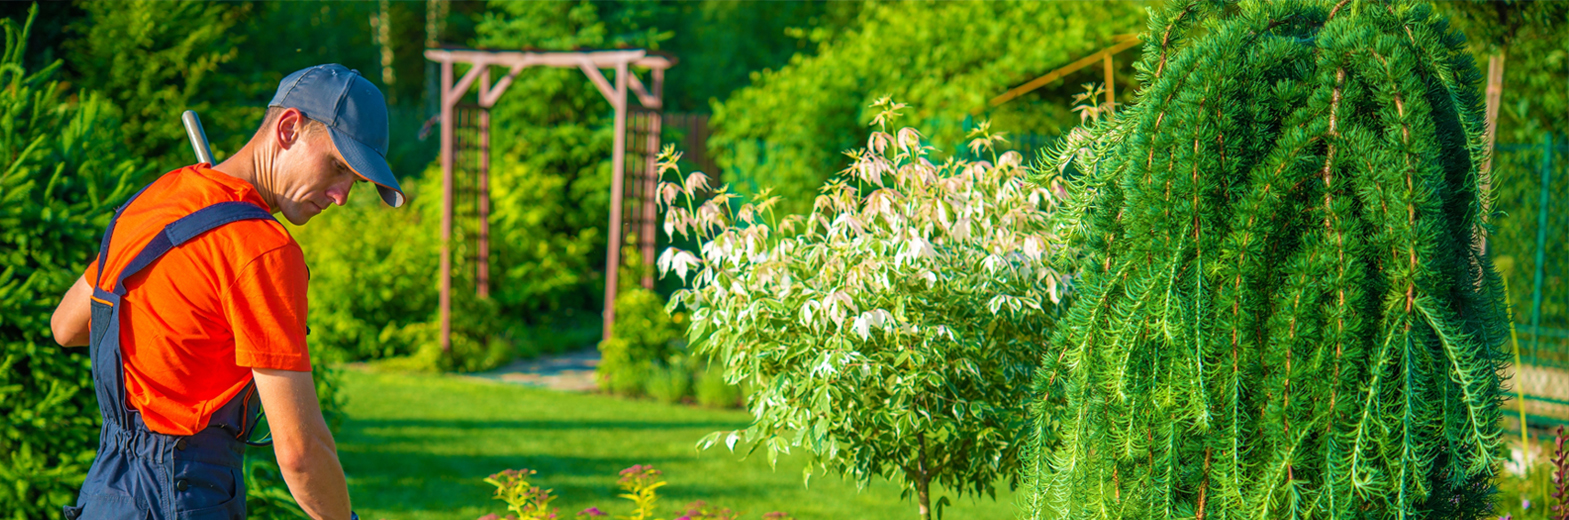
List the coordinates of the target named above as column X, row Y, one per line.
column 786, row 130
column 891, row 331
column 1279, row 311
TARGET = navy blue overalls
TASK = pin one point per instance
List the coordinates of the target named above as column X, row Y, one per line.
column 140, row 474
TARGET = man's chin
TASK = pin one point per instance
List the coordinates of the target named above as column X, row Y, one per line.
column 299, row 218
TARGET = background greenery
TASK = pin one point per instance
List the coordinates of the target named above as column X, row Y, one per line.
column 785, row 81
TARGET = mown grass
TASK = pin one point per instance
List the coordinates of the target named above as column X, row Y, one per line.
column 415, row 447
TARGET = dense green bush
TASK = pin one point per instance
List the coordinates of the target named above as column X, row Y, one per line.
column 787, row 130
column 643, row 342
column 711, row 389
column 371, row 274
column 374, row 287
column 65, row 170
column 1280, row 311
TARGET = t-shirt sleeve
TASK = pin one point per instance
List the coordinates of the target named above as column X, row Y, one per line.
column 266, row 307
column 91, row 273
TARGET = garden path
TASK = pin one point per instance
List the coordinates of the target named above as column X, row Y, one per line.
column 570, row 371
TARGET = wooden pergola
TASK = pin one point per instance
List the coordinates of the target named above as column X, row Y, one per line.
column 590, row 62
column 1104, row 56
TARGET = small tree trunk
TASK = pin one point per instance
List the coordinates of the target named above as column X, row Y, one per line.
column 922, row 479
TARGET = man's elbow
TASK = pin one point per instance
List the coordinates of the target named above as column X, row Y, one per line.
column 300, row 456
column 65, row 333
column 292, row 459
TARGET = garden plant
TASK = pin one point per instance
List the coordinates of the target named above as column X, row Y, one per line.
column 891, row 331
column 1279, row 310
column 640, row 484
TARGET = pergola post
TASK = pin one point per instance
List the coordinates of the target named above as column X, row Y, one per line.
column 446, row 205
column 617, row 190
column 589, row 62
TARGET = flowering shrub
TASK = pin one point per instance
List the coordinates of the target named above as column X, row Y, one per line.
column 641, row 483
column 891, row 331
column 526, row 501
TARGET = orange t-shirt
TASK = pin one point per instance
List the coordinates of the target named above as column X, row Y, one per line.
column 195, row 322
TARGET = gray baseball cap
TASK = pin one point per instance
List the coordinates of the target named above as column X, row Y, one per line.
column 355, row 114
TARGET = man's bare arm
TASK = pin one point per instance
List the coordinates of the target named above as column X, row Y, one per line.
column 72, row 320
column 306, row 452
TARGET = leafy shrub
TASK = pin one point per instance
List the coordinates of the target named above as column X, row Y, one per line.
column 374, row 289
column 670, row 382
column 891, row 331
column 643, row 338
column 1280, row 311
column 371, row 275
column 712, row 390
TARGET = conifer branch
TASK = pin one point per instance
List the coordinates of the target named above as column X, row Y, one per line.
column 1305, row 330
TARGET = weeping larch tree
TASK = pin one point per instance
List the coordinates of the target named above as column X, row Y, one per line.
column 1279, row 309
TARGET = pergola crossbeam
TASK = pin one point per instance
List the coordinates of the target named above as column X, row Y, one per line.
column 1124, row 42
column 617, row 97
column 643, row 96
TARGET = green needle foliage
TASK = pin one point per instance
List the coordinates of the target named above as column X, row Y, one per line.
column 1279, row 312
column 62, row 170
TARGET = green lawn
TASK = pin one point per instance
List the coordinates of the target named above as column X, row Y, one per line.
column 416, row 447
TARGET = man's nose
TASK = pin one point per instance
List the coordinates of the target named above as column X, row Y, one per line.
column 340, row 193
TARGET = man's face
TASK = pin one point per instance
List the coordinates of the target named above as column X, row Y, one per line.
column 310, row 173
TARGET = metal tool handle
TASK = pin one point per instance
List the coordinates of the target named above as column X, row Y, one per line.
column 193, row 130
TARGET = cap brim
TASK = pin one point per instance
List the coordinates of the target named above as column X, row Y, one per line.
column 371, row 165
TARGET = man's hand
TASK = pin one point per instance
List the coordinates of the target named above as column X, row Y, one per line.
column 306, row 453
column 72, row 320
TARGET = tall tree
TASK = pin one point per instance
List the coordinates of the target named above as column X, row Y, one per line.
column 1280, row 313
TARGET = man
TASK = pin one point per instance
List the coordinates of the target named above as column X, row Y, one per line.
column 195, row 308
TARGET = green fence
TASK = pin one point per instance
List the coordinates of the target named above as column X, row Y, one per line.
column 1529, row 245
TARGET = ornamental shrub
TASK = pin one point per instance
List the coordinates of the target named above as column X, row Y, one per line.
column 643, row 341
column 890, row 332
column 1279, row 311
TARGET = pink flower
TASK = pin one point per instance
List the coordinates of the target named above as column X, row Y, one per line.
column 491, row 516
column 591, row 511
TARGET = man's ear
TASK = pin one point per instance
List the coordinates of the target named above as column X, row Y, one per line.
column 290, row 126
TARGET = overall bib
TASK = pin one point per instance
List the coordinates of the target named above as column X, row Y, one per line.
column 140, row 474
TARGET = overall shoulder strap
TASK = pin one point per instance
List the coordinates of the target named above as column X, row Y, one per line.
column 186, row 228
column 103, row 246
